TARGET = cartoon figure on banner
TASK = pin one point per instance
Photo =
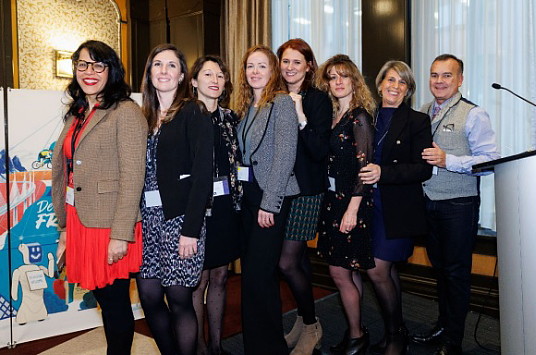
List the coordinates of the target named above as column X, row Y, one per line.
column 31, row 278
column 44, row 158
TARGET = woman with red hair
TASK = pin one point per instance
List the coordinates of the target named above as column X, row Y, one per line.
column 267, row 135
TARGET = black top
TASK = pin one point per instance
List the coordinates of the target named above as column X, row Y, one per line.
column 351, row 150
column 313, row 143
column 402, row 172
column 184, row 167
column 383, row 121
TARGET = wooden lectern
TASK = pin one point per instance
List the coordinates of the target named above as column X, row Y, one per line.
column 515, row 205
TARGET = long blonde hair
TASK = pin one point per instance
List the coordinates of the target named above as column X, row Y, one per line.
column 275, row 83
column 361, row 95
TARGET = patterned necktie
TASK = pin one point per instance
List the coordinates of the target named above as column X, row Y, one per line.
column 436, row 110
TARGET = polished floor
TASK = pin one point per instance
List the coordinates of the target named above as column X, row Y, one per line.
column 419, row 313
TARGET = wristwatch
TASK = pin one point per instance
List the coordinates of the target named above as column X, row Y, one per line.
column 302, row 124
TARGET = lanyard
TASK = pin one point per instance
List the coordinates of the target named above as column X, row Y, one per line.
column 246, row 130
column 220, row 125
column 387, row 125
column 80, row 124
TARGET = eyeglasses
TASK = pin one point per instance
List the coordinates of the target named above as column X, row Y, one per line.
column 82, row 65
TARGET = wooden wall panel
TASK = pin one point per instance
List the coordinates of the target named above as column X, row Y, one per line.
column 6, row 50
column 386, row 36
column 194, row 27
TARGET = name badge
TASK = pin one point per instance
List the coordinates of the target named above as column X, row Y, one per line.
column 152, row 198
column 331, row 184
column 220, row 186
column 245, row 173
column 435, row 170
column 36, row 280
column 69, row 196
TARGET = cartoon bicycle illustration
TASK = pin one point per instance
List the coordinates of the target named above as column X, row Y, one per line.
column 44, row 158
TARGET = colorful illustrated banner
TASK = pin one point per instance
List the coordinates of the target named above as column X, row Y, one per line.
column 37, row 304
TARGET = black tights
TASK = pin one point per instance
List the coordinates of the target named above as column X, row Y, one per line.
column 214, row 282
column 173, row 325
column 295, row 267
column 387, row 287
column 117, row 316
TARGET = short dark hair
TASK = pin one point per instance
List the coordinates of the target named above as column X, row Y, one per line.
column 225, row 96
column 447, row 56
column 115, row 90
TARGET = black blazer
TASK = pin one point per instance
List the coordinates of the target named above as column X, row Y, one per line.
column 184, row 167
column 402, row 171
column 313, row 143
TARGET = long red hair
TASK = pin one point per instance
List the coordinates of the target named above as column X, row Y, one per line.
column 275, row 83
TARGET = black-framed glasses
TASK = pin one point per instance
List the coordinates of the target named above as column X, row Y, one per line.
column 82, row 65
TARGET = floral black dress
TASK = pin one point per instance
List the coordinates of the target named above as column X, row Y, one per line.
column 351, row 148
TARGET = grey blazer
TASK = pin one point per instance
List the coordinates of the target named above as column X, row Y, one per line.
column 274, row 139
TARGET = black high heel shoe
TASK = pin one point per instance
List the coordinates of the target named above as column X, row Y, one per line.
column 339, row 348
column 351, row 346
column 379, row 347
column 357, row 346
column 399, row 339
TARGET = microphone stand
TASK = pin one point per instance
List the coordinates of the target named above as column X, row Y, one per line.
column 499, row 87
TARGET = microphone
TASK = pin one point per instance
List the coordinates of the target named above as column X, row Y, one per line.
column 499, row 87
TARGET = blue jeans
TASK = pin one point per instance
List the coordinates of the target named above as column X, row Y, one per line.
column 453, row 229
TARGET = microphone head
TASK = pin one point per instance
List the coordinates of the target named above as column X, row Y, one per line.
column 496, row 86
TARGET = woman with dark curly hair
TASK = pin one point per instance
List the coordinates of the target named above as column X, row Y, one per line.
column 98, row 167
column 210, row 84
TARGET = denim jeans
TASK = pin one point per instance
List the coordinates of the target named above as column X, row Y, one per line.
column 453, row 229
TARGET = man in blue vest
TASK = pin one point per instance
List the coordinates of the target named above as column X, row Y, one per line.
column 462, row 137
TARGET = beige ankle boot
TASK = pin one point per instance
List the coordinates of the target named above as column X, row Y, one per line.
column 309, row 340
column 294, row 335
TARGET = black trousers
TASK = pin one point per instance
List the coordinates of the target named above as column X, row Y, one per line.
column 117, row 316
column 261, row 303
column 453, row 229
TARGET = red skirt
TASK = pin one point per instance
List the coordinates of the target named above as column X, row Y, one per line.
column 87, row 254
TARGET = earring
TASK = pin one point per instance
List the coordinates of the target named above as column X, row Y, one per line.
column 194, row 90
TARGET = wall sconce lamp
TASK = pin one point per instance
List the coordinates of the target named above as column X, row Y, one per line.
column 64, row 64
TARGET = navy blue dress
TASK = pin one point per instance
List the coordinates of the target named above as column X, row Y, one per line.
column 399, row 249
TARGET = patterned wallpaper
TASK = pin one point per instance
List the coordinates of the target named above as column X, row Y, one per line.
column 46, row 25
